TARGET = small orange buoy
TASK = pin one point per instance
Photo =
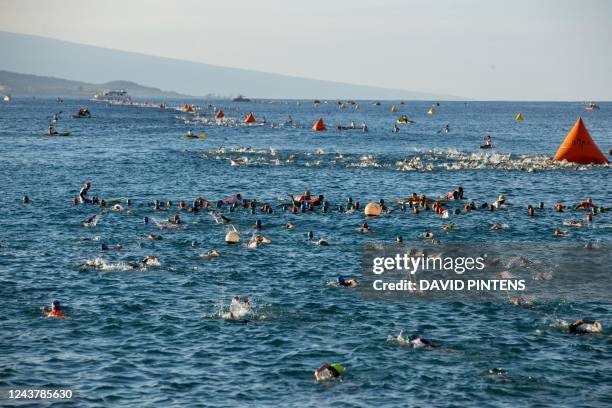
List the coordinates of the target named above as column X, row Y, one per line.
column 250, row 118
column 319, row 126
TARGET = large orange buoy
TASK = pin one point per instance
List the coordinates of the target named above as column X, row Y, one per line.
column 579, row 147
column 319, row 126
column 219, row 114
column 250, row 118
column 372, row 210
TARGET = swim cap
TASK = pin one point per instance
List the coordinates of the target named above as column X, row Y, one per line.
column 258, row 223
column 338, row 368
column 341, row 280
column 145, row 220
column 310, row 235
column 399, row 238
column 56, row 303
column 501, row 197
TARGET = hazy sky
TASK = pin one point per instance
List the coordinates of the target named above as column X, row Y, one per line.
column 480, row 49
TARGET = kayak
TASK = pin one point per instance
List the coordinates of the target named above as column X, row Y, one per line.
column 189, row 137
column 58, row 134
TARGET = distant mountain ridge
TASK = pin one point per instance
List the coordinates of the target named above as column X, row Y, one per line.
column 16, row 84
column 54, row 58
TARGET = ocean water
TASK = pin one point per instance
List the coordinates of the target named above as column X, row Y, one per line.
column 158, row 336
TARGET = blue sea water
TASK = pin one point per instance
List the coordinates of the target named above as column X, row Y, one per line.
column 157, row 337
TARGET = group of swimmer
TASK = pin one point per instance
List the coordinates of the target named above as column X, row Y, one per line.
column 240, row 309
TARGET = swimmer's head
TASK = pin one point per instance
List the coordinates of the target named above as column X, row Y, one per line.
column 145, row 220
column 25, row 199
column 501, row 198
column 104, row 247
column 310, row 235
column 258, row 223
column 341, row 281
column 55, row 305
column 399, row 238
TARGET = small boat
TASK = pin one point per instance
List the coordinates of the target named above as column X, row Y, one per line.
column 58, row 134
column 403, row 120
column 591, row 106
column 83, row 113
column 198, row 136
column 240, row 98
column 7, row 98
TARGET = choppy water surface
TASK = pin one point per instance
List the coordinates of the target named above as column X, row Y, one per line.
column 157, row 335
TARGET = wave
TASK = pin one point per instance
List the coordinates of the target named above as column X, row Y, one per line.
column 421, row 161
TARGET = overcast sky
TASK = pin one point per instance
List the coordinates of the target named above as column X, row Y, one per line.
column 480, row 49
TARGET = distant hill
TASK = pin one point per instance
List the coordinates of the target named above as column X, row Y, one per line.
column 49, row 57
column 24, row 84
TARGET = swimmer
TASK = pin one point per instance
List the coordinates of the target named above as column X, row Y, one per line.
column 573, row 223
column 501, row 201
column 559, row 207
column 396, row 128
column 54, row 311
column 153, row 237
column 415, row 341
column 585, row 326
column 25, row 200
column 149, row 260
column 328, row 372
column 428, row 235
column 559, row 233
column 320, row 241
column 488, row 141
column 83, row 193
column 211, row 254
column 51, row 131
column 92, row 221
column 240, row 308
column 585, row 205
column 117, row 207
column 364, row 228
column 341, row 281
column 289, row 226
column 258, row 240
column 220, row 218
column 257, row 225
column 496, row 226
